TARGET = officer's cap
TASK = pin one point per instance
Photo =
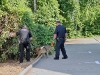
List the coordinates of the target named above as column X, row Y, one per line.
column 57, row 21
column 24, row 26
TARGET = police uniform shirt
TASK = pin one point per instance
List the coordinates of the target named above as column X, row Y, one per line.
column 24, row 33
column 60, row 31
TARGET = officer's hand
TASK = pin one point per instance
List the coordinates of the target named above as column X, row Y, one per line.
column 65, row 39
column 52, row 44
column 52, row 41
column 12, row 34
column 31, row 38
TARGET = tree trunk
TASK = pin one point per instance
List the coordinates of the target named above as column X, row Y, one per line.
column 34, row 5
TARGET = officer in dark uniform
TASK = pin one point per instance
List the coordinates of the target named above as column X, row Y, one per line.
column 24, row 42
column 60, row 36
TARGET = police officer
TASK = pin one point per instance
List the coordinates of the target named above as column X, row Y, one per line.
column 60, row 36
column 24, row 42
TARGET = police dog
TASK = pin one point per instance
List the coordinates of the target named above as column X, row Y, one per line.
column 43, row 50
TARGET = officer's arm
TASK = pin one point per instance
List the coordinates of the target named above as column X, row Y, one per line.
column 54, row 36
column 30, row 35
column 12, row 34
column 65, row 34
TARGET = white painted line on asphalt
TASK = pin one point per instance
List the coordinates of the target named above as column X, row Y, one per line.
column 89, row 51
column 97, row 62
column 89, row 62
column 81, row 52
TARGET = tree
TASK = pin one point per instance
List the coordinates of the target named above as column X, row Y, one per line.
column 47, row 12
column 34, row 5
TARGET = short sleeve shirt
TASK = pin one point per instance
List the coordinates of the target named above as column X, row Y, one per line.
column 24, row 33
column 60, row 31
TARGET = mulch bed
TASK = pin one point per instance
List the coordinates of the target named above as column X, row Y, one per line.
column 11, row 67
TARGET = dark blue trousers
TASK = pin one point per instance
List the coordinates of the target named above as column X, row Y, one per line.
column 60, row 45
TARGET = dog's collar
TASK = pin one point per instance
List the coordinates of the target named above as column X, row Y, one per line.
column 42, row 47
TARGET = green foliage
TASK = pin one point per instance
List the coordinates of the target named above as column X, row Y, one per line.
column 47, row 12
column 8, row 23
column 15, row 6
column 11, row 12
column 80, row 16
column 44, row 35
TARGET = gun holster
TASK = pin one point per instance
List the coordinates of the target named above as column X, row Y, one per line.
column 58, row 39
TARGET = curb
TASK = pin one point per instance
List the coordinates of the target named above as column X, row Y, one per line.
column 30, row 66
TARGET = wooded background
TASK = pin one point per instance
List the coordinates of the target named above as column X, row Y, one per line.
column 81, row 18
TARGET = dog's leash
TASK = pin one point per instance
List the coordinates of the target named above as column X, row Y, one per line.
column 45, row 48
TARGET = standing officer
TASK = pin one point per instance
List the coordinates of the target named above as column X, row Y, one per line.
column 24, row 42
column 60, row 36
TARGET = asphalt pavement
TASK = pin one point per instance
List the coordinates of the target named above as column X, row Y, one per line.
column 83, row 59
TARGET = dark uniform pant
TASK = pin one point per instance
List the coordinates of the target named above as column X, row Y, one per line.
column 21, row 50
column 60, row 45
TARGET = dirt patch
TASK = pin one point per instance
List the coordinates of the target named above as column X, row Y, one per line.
column 11, row 67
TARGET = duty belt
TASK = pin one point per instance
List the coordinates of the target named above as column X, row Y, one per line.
column 60, row 38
